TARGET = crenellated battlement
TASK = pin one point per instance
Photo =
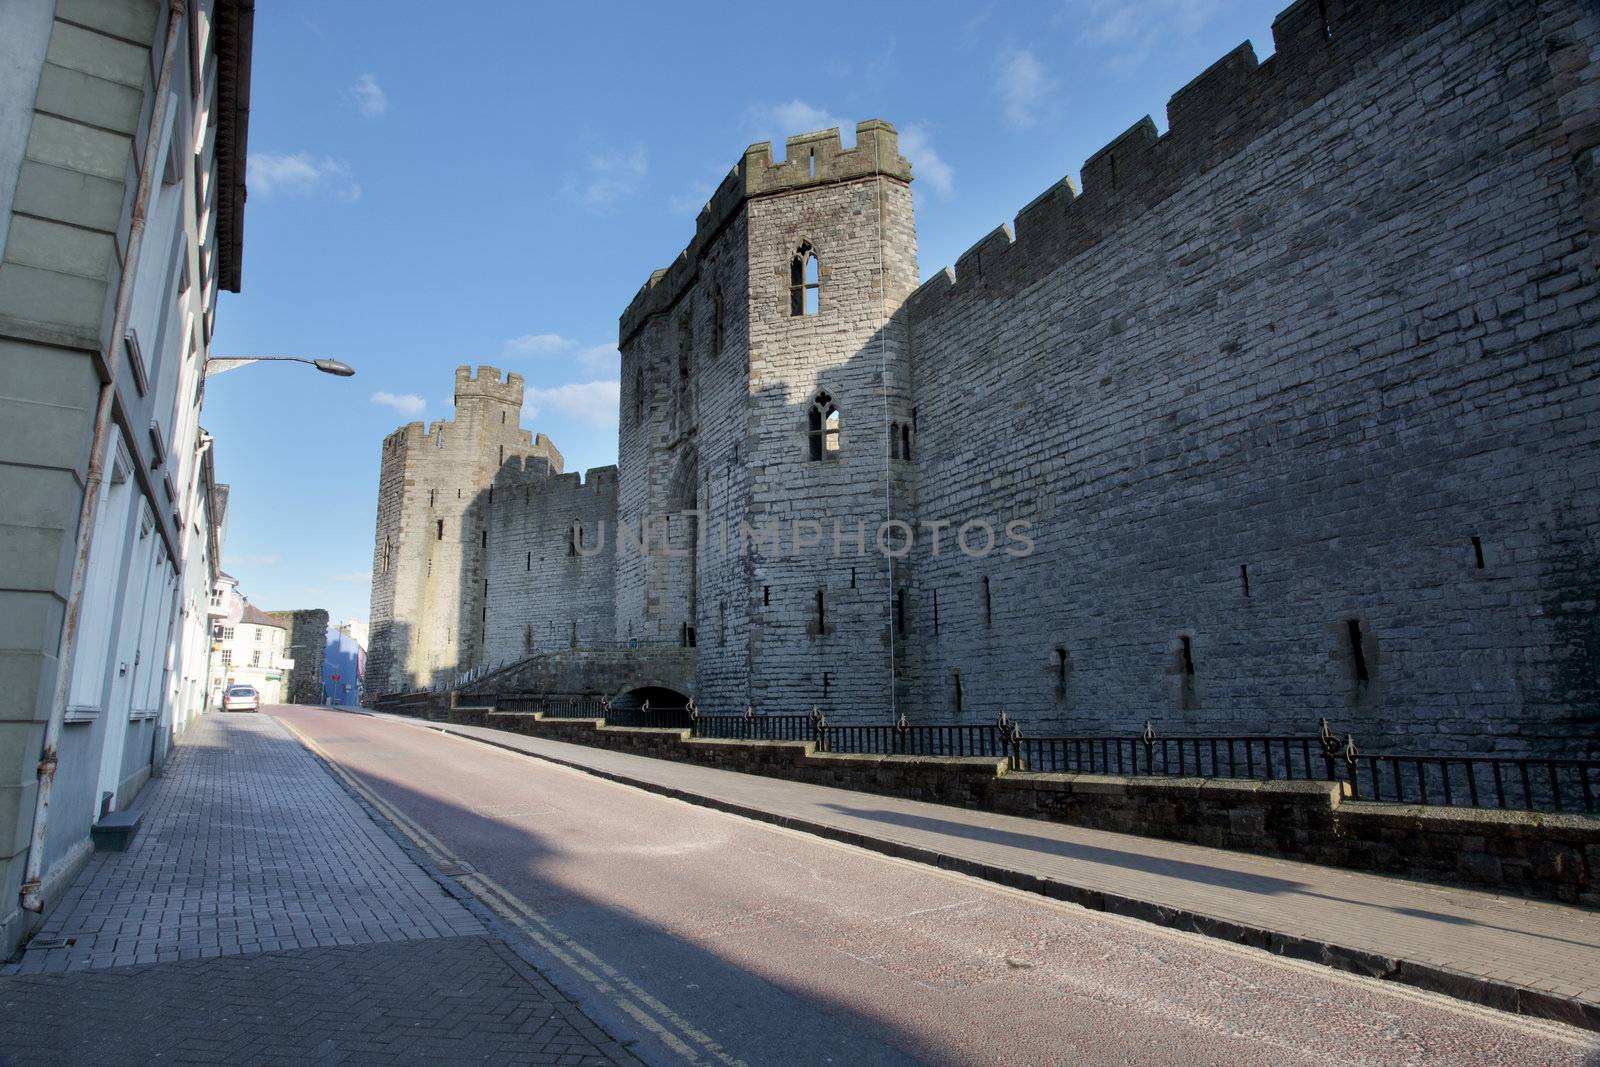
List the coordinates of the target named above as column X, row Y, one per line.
column 1319, row 46
column 486, row 382
column 811, row 159
column 536, row 473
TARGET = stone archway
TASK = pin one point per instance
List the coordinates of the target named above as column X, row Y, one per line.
column 672, row 704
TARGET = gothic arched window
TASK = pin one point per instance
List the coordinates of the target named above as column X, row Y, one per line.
column 805, row 282
column 824, row 427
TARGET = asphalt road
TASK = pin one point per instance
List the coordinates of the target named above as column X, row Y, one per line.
column 701, row 937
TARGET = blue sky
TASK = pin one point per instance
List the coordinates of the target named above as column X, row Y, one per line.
column 432, row 185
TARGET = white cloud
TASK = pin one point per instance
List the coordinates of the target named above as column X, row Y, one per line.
column 1024, row 87
column 778, row 122
column 797, row 116
column 263, row 559
column 300, row 174
column 1125, row 32
column 593, row 359
column 370, row 97
column 608, row 178
column 592, row 403
column 405, row 403
column 539, row 343
column 926, row 163
column 354, row 576
column 599, row 359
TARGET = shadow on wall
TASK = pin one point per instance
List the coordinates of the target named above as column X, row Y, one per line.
column 384, row 671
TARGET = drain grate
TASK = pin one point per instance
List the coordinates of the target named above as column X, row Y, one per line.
column 51, row 942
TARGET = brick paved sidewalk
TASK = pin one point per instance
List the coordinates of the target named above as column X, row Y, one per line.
column 262, row 916
column 1536, row 957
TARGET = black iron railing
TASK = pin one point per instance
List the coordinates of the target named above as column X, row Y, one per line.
column 753, row 727
column 1569, row 785
column 647, row 717
column 904, row 739
column 552, row 707
column 1196, row 757
column 1506, row 782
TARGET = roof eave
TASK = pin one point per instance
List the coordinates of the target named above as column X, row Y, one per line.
column 235, row 34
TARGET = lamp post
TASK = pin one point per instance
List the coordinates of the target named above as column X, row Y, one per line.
column 222, row 364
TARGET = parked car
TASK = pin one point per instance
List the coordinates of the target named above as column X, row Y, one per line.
column 240, row 698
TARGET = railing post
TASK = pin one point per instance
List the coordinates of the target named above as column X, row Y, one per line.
column 822, row 730
column 1330, row 747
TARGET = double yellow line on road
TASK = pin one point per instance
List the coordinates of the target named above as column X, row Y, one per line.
column 673, row 1030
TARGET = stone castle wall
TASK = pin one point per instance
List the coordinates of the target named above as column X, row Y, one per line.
column 1296, row 401
column 547, row 591
column 305, row 641
column 1305, row 385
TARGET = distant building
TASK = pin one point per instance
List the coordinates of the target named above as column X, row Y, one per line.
column 122, row 162
column 252, row 651
column 343, row 664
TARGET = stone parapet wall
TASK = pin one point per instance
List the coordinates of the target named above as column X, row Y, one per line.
column 1528, row 853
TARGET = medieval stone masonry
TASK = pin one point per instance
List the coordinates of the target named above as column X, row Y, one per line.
column 1290, row 411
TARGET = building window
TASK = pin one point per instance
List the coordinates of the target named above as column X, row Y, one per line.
column 638, row 397
column 255, row 658
column 716, row 322
column 575, row 539
column 227, row 657
column 258, row 633
column 227, row 633
column 438, row 530
column 805, row 283
column 894, row 440
column 824, row 427
column 905, row 440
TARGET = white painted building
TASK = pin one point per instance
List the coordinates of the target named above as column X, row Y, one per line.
column 123, row 130
column 254, row 650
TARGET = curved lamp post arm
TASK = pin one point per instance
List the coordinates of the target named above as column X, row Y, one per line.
column 221, row 364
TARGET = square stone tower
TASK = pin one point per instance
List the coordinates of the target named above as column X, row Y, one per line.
column 761, row 375
column 429, row 557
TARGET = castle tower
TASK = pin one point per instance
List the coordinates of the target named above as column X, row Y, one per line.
column 761, row 375
column 429, row 569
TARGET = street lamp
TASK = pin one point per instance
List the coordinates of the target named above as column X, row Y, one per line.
column 221, row 364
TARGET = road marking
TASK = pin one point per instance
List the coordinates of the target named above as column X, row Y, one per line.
column 1533, row 1025
column 605, row 979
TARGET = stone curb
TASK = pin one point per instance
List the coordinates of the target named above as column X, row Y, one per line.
column 1489, row 992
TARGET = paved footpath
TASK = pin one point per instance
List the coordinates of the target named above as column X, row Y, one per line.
column 1537, row 957
column 711, row 938
column 262, row 916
